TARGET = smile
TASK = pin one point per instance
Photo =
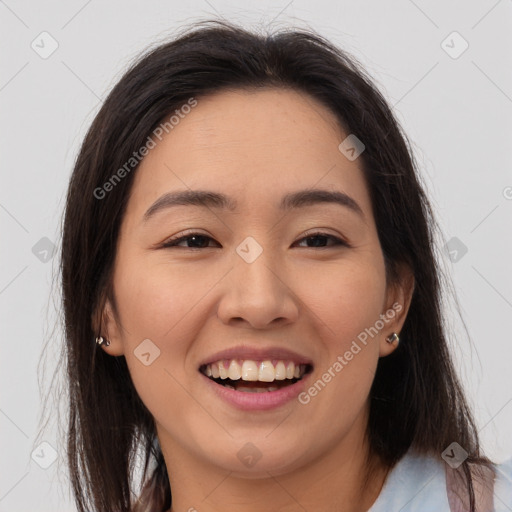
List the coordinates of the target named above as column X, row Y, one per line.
column 252, row 376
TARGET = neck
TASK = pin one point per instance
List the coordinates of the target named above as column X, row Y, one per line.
column 332, row 481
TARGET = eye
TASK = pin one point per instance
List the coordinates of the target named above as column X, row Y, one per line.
column 318, row 238
column 198, row 241
column 201, row 241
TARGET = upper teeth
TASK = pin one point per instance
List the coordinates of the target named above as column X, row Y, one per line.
column 249, row 370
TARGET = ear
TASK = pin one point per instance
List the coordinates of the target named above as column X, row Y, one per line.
column 398, row 299
column 105, row 323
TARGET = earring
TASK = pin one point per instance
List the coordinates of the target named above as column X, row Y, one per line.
column 392, row 338
column 100, row 340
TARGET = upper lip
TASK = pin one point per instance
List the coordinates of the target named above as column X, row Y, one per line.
column 257, row 354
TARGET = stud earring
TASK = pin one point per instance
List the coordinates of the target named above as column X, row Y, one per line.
column 100, row 340
column 392, row 338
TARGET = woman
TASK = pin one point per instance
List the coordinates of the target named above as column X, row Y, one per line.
column 251, row 299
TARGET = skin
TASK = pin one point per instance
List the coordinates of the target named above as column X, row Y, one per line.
column 254, row 146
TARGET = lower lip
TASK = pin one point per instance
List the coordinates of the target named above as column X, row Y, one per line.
column 258, row 401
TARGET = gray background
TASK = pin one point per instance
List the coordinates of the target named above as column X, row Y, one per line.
column 457, row 110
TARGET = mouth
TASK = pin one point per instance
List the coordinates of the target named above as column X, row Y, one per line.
column 255, row 376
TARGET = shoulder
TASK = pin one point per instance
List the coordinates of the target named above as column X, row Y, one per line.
column 503, row 486
column 492, row 487
column 421, row 482
column 416, row 483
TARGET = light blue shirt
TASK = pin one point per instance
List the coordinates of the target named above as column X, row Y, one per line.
column 417, row 483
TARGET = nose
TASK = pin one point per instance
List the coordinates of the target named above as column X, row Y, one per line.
column 258, row 294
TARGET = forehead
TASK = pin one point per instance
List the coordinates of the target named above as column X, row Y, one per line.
column 252, row 145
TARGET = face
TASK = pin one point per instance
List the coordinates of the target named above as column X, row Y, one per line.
column 265, row 278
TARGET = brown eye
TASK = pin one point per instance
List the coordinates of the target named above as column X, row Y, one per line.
column 320, row 240
column 200, row 241
column 197, row 241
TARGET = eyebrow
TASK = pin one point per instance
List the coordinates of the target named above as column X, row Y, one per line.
column 216, row 200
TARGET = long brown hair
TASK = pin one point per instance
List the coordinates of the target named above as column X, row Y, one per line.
column 416, row 400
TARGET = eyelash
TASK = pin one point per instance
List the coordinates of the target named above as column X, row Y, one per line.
column 173, row 242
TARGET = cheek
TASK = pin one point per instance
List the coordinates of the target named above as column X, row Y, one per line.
column 157, row 304
column 347, row 301
column 347, row 298
column 166, row 304
column 154, row 299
